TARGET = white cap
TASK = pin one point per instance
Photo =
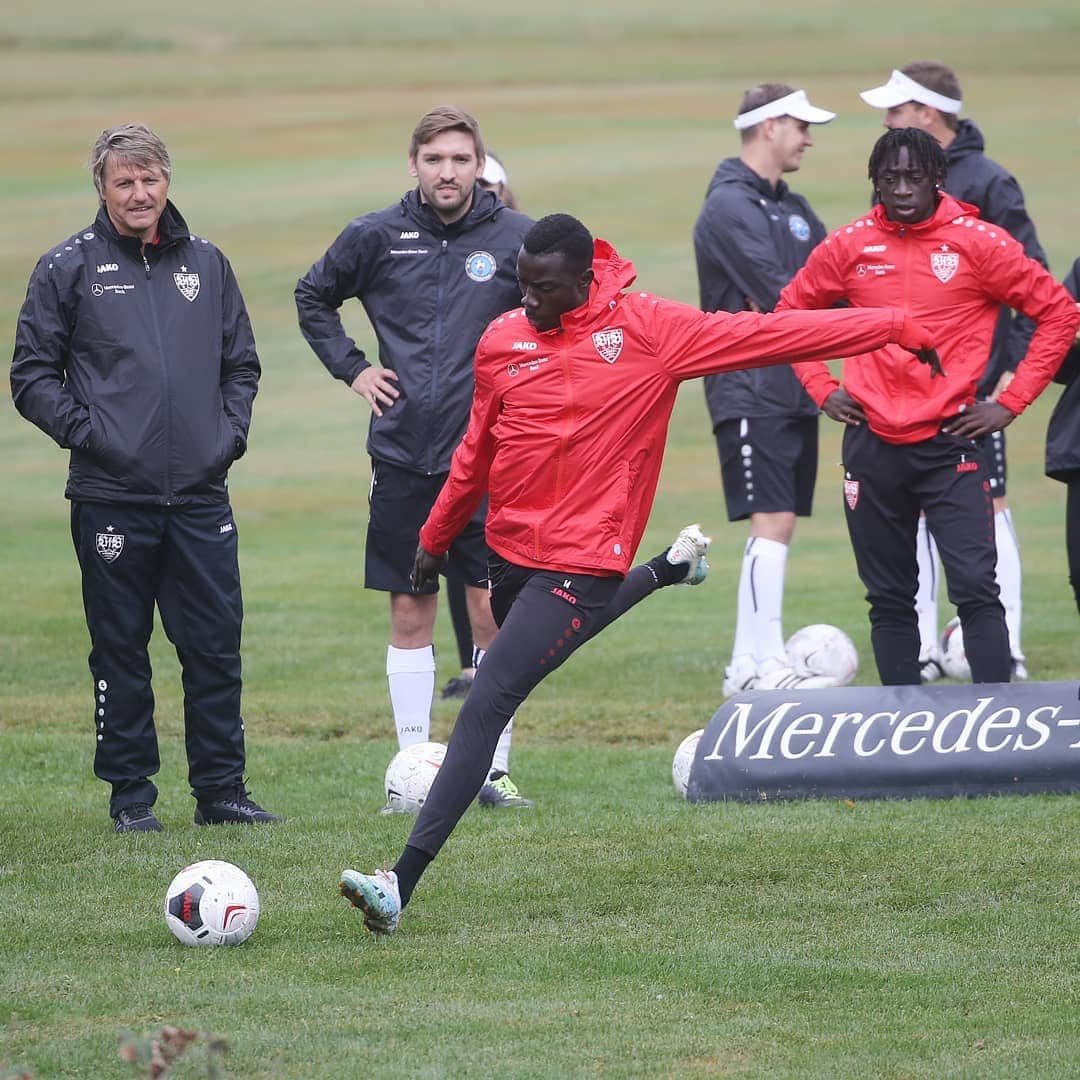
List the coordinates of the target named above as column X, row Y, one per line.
column 795, row 104
column 901, row 89
column 493, row 173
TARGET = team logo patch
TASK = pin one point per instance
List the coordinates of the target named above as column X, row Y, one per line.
column 188, row 284
column 608, row 344
column 851, row 493
column 944, row 264
column 110, row 544
column 480, row 266
column 799, row 228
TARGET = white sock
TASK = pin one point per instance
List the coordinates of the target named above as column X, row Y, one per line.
column 410, row 674
column 1009, row 576
column 500, row 760
column 767, row 561
column 926, row 595
column 742, row 652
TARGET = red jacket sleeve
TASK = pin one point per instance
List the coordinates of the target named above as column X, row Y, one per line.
column 1025, row 285
column 693, row 342
column 467, row 483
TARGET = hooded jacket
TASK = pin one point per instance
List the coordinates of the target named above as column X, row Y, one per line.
column 568, row 426
column 1063, row 430
column 749, row 240
column 144, row 367
column 951, row 272
column 429, row 289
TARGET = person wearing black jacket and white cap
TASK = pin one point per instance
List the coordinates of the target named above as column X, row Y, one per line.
column 431, row 271
column 926, row 94
column 752, row 235
column 134, row 351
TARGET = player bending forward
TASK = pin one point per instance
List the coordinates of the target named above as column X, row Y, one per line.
column 573, row 397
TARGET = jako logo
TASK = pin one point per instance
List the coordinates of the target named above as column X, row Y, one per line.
column 409, row 236
column 526, row 346
column 104, row 268
column 873, row 249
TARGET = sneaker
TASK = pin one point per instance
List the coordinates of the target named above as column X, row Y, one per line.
column 1019, row 669
column 930, row 669
column 690, row 547
column 786, row 677
column 138, row 817
column 500, row 790
column 457, row 687
column 236, row 808
column 376, row 895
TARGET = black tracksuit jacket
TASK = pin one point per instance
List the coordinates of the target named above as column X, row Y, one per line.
column 145, row 369
column 1063, row 431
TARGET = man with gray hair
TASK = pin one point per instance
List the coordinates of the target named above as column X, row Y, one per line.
column 752, row 235
column 134, row 352
column 926, row 95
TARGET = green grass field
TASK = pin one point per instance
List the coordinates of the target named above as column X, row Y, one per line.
column 614, row 931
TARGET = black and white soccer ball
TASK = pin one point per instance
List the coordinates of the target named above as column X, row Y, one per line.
column 211, row 903
column 824, row 651
column 684, row 759
column 410, row 774
column 954, row 661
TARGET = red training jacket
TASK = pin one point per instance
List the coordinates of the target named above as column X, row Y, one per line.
column 567, row 428
column 952, row 272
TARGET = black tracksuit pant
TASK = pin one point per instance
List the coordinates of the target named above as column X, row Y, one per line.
column 543, row 617
column 184, row 560
column 885, row 487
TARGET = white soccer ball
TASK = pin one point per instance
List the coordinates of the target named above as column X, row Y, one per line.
column 410, row 774
column 825, row 651
column 211, row 903
column 954, row 661
column 684, row 758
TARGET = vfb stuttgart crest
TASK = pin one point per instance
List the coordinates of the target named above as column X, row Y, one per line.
column 110, row 544
column 944, row 264
column 608, row 344
column 851, row 493
column 188, row 284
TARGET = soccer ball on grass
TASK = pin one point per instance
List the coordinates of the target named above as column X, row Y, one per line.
column 823, row 650
column 954, row 661
column 410, row 774
column 684, row 759
column 211, row 903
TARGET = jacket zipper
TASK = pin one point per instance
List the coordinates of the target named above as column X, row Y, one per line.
column 167, row 403
column 569, row 409
column 433, row 391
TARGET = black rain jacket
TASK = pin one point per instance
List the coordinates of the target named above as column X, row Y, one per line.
column 145, row 369
column 750, row 239
column 429, row 290
column 1063, row 430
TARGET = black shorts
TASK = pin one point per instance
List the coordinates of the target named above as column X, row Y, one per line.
column 768, row 464
column 399, row 503
column 992, row 457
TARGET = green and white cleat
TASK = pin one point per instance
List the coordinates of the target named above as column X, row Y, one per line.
column 501, row 791
column 376, row 895
column 689, row 548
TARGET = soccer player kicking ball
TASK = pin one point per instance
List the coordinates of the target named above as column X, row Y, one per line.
column 574, row 393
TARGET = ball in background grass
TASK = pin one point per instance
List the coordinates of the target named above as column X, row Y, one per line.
column 410, row 774
column 954, row 661
column 211, row 903
column 823, row 650
column 684, row 758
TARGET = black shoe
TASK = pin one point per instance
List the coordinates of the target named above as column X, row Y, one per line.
column 236, row 808
column 138, row 817
column 457, row 687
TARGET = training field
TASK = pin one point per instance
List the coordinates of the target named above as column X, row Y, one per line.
column 614, row 930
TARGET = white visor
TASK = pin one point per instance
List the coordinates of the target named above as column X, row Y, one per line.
column 901, row 89
column 493, row 173
column 795, row 104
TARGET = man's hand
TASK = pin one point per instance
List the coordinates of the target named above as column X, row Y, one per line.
column 930, row 356
column 425, row 569
column 978, row 419
column 376, row 386
column 841, row 406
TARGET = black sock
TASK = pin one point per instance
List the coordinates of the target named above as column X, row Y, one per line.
column 409, row 867
column 667, row 573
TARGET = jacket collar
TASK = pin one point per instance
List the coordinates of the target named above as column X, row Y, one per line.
column 612, row 273
column 171, row 227
column 947, row 209
column 485, row 205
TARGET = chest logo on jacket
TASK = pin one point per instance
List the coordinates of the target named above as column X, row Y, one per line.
column 944, row 263
column 110, row 543
column 799, row 227
column 480, row 266
column 188, row 284
column 608, row 344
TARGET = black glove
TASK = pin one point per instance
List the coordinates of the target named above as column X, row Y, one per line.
column 426, row 568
